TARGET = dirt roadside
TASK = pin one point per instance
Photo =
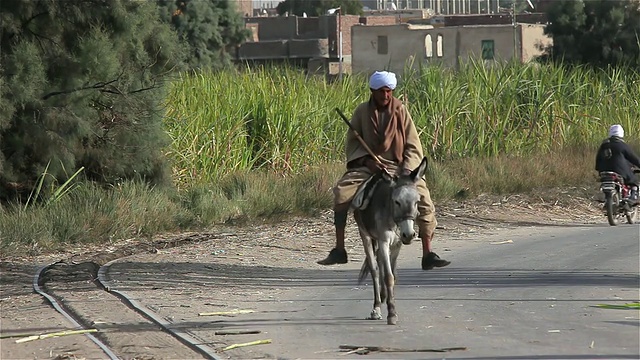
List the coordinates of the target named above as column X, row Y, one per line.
column 296, row 242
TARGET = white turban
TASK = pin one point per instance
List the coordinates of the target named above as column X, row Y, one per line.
column 380, row 79
column 616, row 130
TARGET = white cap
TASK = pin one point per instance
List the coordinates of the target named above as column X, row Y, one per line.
column 380, row 79
column 616, row 130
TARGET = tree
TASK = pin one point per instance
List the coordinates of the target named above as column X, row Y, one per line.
column 318, row 7
column 81, row 83
column 597, row 32
column 211, row 29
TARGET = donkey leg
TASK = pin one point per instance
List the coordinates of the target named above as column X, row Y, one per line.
column 383, row 287
column 376, row 313
column 395, row 251
column 389, row 281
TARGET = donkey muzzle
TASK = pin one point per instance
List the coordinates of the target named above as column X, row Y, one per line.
column 407, row 233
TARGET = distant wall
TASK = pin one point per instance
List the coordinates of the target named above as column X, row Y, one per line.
column 309, row 28
column 275, row 28
column 391, row 47
column 283, row 49
column 322, row 27
column 534, row 41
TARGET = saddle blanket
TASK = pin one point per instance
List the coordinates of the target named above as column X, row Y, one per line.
column 365, row 191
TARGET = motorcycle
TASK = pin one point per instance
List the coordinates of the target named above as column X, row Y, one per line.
column 617, row 201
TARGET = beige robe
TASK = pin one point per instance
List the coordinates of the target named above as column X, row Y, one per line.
column 412, row 154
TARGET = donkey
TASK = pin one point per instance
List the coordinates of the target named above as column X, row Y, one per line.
column 385, row 219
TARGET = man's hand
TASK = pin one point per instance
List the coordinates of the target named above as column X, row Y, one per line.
column 374, row 166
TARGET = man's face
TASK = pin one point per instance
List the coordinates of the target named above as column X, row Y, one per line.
column 382, row 96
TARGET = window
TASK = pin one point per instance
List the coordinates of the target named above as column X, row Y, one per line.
column 383, row 46
column 428, row 47
column 439, row 46
column 487, row 49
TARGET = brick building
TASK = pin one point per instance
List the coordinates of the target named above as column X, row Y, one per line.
column 245, row 7
column 311, row 42
column 324, row 43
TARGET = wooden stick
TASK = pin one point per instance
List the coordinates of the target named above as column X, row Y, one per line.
column 360, row 139
column 237, row 332
column 226, row 313
column 388, row 349
column 9, row 336
column 358, row 350
column 257, row 342
column 55, row 334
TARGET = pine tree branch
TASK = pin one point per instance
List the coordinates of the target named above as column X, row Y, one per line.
column 152, row 86
column 27, row 21
column 99, row 85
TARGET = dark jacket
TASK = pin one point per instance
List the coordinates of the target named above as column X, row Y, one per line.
column 615, row 155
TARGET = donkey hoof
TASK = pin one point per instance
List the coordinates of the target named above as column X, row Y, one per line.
column 392, row 320
column 375, row 315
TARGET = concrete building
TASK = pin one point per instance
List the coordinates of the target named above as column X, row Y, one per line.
column 336, row 44
column 317, row 43
column 393, row 47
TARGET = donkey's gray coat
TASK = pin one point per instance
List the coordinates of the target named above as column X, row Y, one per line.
column 384, row 225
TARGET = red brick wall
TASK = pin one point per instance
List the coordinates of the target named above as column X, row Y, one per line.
column 347, row 21
column 379, row 20
column 245, row 7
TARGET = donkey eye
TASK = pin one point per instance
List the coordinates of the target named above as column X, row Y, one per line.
column 397, row 202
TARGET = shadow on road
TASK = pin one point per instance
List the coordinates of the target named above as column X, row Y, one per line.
column 542, row 357
column 163, row 275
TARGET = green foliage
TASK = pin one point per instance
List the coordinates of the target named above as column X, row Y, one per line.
column 218, row 129
column 318, row 7
column 94, row 214
column 212, row 29
column 510, row 108
column 81, row 87
column 91, row 213
column 57, row 191
column 596, row 32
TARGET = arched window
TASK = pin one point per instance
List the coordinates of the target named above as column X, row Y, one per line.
column 428, row 46
column 439, row 45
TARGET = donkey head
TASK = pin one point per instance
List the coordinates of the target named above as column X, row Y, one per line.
column 404, row 200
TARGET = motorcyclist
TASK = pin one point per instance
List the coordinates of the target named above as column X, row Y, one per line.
column 615, row 155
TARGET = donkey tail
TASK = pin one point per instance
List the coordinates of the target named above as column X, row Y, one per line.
column 364, row 272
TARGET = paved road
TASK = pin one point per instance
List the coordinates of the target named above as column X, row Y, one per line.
column 531, row 298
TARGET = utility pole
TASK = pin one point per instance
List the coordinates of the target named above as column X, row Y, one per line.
column 339, row 43
column 515, row 32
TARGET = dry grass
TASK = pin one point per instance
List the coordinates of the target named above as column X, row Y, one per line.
column 271, row 146
column 93, row 215
column 509, row 174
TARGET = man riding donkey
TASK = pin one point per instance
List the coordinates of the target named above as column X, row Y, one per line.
column 386, row 126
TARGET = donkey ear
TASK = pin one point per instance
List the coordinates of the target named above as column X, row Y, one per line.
column 418, row 172
column 387, row 177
